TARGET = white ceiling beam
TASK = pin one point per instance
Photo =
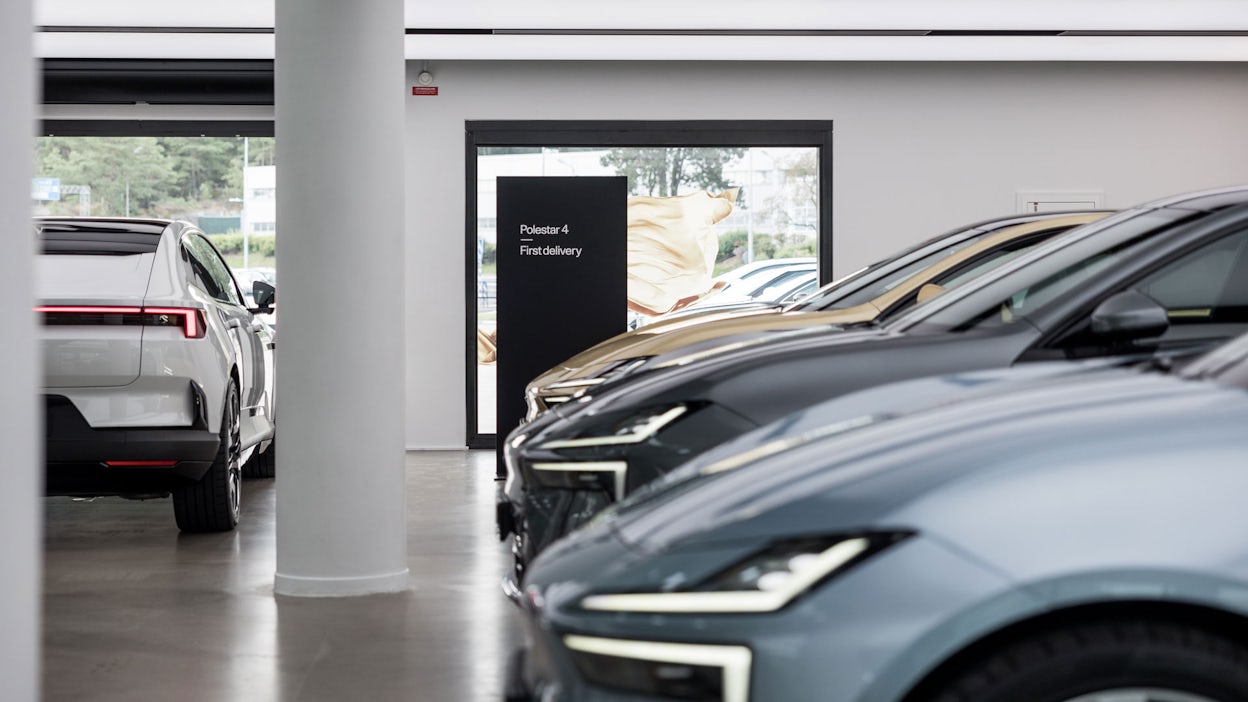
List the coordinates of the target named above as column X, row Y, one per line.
column 1095, row 15
column 677, row 48
column 818, row 48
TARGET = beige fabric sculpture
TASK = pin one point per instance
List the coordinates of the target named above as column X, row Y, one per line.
column 672, row 247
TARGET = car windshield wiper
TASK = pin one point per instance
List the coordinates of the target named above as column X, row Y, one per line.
column 865, row 324
column 1159, row 364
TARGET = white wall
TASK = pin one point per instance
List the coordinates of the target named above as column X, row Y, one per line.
column 919, row 148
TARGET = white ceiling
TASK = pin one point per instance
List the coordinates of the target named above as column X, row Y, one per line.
column 692, row 14
column 566, row 29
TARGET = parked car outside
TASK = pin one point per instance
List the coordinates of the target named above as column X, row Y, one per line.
column 158, row 379
column 881, row 289
column 755, row 285
column 1069, row 538
column 247, row 279
column 751, row 287
column 1168, row 276
column 788, row 291
column 751, row 274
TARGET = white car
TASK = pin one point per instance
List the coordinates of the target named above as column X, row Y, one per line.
column 158, row 379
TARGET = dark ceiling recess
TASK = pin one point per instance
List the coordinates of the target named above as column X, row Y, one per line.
column 153, row 127
column 157, row 82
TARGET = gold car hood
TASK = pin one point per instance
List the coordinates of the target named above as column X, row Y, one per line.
column 653, row 340
column 665, row 336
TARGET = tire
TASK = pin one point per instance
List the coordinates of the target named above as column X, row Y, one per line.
column 213, row 503
column 261, row 465
column 1109, row 661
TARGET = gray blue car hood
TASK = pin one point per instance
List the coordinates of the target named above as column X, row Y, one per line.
column 861, row 478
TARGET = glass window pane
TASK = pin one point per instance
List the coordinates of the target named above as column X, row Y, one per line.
column 227, row 186
column 223, row 287
column 740, row 225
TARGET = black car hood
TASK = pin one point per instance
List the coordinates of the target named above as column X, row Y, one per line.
column 660, row 375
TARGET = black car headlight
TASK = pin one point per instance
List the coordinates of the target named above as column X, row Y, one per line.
column 632, row 428
column 765, row 581
column 610, row 476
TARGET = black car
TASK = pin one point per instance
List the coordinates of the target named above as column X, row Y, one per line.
column 1170, row 275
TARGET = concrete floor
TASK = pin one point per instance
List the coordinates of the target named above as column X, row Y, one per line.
column 134, row 611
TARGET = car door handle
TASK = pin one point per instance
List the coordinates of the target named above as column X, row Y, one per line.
column 257, row 326
column 232, row 324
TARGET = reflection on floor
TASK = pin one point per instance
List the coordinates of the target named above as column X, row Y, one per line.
column 133, row 611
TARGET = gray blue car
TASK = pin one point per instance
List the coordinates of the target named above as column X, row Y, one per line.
column 1071, row 534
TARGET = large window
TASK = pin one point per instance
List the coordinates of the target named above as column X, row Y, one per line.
column 225, row 185
column 768, row 185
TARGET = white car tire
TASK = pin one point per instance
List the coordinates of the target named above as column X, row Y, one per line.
column 262, row 465
column 213, row 502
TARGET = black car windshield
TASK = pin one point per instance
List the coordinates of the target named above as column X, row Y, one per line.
column 959, row 276
column 840, row 294
column 98, row 238
column 1023, row 291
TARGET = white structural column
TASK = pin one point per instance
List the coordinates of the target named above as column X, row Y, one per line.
column 21, row 510
column 341, row 510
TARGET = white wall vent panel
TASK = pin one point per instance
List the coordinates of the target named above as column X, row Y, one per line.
column 1058, row 200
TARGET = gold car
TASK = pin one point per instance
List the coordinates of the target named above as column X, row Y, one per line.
column 901, row 288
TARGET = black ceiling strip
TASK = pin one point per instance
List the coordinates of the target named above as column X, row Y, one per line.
column 153, row 127
column 714, row 32
column 1157, row 33
column 994, row 33
column 158, row 81
column 449, row 31
column 830, row 32
column 77, row 29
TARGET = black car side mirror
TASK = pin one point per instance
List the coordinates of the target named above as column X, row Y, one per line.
column 1129, row 315
column 265, row 295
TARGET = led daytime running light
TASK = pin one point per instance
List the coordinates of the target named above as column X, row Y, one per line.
column 617, row 469
column 819, row 567
column 734, row 660
column 640, row 434
column 576, row 383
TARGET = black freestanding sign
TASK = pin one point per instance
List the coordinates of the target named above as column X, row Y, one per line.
column 562, row 278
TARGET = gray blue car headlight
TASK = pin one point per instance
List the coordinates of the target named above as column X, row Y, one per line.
column 765, row 581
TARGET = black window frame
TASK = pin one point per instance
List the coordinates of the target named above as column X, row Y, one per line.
column 633, row 133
